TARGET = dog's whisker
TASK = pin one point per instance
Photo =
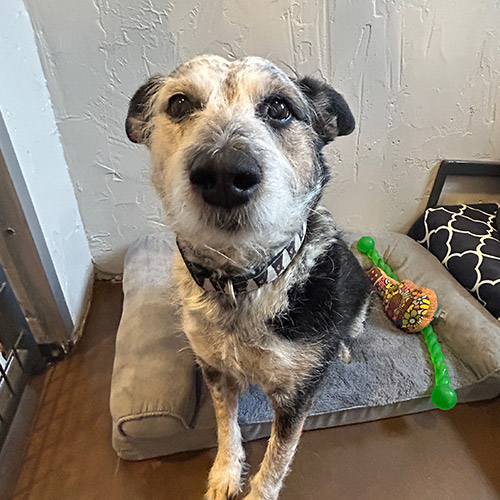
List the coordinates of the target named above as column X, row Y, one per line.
column 322, row 215
column 222, row 255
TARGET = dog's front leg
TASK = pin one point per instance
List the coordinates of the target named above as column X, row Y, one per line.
column 224, row 481
column 285, row 434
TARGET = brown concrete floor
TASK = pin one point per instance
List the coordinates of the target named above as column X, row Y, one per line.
column 429, row 456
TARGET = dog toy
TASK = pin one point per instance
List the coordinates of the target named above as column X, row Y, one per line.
column 410, row 307
column 443, row 396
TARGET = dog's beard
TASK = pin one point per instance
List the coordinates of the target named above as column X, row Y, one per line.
column 230, row 221
column 242, row 237
column 193, row 217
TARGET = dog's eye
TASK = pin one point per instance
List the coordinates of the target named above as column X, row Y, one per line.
column 278, row 110
column 179, row 105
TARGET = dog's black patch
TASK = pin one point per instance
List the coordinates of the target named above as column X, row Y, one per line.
column 137, row 117
column 212, row 375
column 327, row 105
column 289, row 417
column 323, row 308
column 290, row 412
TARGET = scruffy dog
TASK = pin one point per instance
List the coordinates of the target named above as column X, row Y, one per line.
column 270, row 292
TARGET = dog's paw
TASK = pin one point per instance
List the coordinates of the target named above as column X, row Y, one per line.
column 252, row 496
column 218, row 493
column 259, row 490
column 259, row 496
column 227, row 488
column 224, row 481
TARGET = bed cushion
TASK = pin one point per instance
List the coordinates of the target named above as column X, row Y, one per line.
column 466, row 240
column 151, row 352
column 160, row 406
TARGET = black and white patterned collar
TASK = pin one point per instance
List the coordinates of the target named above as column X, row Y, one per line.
column 236, row 285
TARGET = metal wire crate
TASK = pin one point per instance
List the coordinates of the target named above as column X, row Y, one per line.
column 20, row 355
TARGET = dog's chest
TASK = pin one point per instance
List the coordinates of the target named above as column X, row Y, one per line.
column 239, row 341
column 253, row 356
column 249, row 362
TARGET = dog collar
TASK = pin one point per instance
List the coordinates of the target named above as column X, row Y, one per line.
column 211, row 282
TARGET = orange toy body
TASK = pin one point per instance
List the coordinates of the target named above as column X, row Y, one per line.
column 409, row 306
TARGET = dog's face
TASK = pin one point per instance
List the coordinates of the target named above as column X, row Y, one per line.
column 236, row 147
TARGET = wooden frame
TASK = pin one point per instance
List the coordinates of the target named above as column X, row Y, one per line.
column 460, row 167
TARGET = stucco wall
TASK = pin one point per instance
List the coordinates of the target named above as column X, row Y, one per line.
column 25, row 105
column 423, row 79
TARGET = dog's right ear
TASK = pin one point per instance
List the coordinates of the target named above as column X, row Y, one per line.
column 137, row 125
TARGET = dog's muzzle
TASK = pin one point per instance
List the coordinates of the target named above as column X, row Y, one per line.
column 227, row 178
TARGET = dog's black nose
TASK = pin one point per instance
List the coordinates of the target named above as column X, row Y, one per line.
column 226, row 179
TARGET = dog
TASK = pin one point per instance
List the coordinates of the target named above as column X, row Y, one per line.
column 270, row 293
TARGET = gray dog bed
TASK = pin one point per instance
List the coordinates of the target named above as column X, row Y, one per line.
column 160, row 406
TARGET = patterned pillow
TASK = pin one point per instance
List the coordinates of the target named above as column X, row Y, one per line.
column 465, row 238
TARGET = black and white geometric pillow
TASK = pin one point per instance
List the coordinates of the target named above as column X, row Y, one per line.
column 465, row 238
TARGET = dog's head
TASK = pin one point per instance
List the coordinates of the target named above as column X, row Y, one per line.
column 236, row 146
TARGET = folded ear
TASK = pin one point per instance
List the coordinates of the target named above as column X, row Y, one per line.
column 140, row 110
column 331, row 115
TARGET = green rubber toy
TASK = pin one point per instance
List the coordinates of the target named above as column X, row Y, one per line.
column 443, row 396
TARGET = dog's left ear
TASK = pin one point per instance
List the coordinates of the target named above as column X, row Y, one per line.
column 137, row 125
column 331, row 115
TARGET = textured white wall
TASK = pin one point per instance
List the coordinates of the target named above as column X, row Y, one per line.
column 26, row 109
column 423, row 80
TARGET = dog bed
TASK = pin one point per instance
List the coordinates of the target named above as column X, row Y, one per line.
column 159, row 404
